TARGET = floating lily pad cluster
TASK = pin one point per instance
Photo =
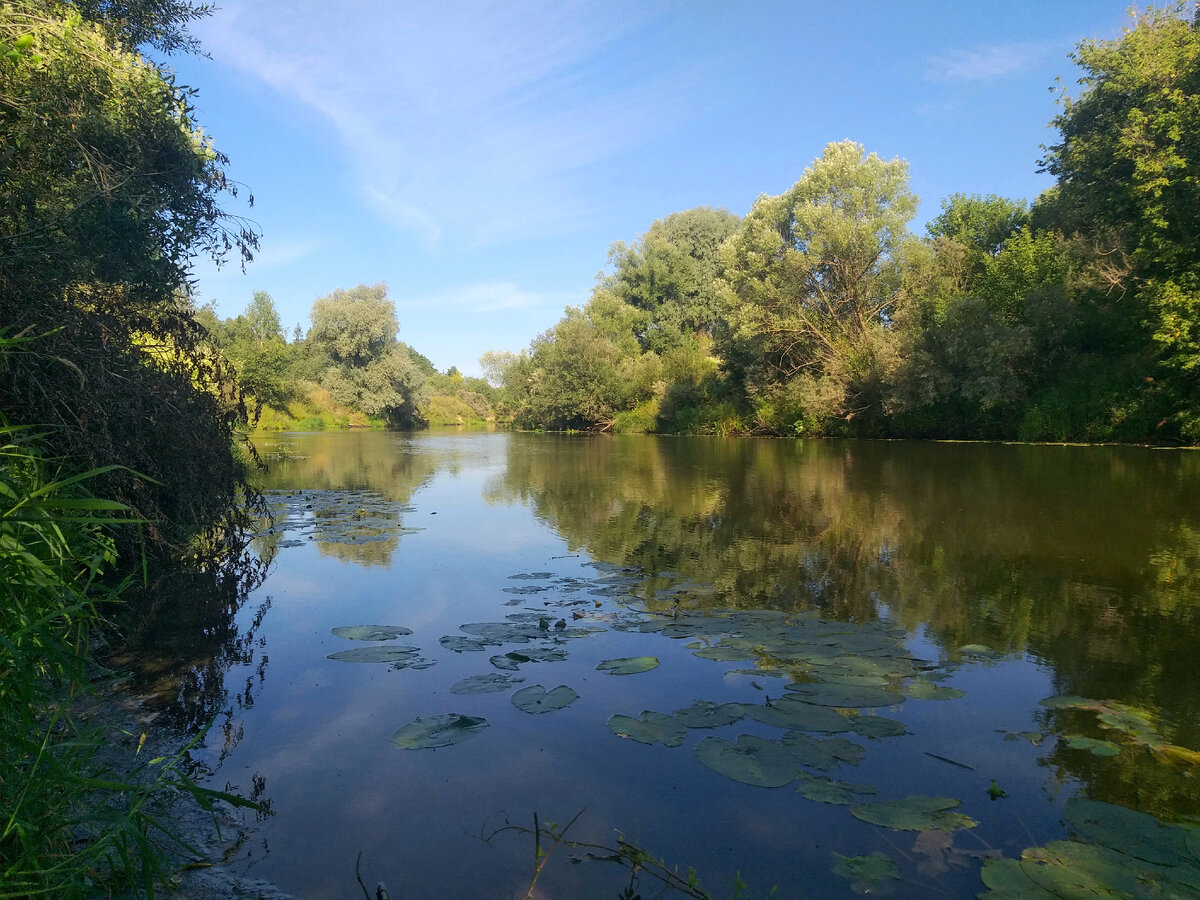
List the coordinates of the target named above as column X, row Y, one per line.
column 399, row 656
column 336, row 517
column 1134, row 726
column 541, row 638
column 1121, row 853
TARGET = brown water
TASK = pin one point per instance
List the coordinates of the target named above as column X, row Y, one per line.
column 1062, row 570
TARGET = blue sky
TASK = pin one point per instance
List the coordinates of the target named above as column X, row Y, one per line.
column 480, row 158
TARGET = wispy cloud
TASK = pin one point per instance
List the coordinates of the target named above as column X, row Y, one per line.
column 475, row 121
column 277, row 253
column 988, row 63
column 488, row 296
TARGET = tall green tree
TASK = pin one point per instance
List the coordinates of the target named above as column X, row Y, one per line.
column 670, row 274
column 354, row 331
column 814, row 279
column 1128, row 168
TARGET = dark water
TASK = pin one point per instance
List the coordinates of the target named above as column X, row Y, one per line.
column 1062, row 570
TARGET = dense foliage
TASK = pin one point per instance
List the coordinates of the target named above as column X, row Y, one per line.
column 348, row 369
column 820, row 313
column 110, row 188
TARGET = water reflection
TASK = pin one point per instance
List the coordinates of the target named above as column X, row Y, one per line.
column 1087, row 559
column 1015, row 572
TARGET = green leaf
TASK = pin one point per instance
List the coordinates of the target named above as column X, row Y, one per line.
column 1127, row 831
column 490, row 683
column 1092, row 745
column 877, row 726
column 370, row 632
column 924, row 690
column 797, row 715
column 706, row 714
column 751, row 760
column 914, row 813
column 375, row 654
column 867, row 874
column 437, row 731
column 844, row 696
column 826, row 790
column 628, row 665
column 822, row 754
column 651, row 728
column 536, row 699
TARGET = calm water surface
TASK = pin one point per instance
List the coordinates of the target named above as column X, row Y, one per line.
column 1061, row 570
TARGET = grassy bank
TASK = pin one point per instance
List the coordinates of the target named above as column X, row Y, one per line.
column 74, row 821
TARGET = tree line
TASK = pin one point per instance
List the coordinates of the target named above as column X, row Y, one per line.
column 1072, row 318
column 348, row 368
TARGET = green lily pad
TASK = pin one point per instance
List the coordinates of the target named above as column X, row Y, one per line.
column 751, row 760
column 924, row 690
column 651, row 728
column 512, row 660
column 724, row 654
column 826, row 790
column 1127, row 831
column 914, row 813
column 844, row 696
column 822, row 754
column 375, row 654
column 1092, row 745
column 536, row 699
column 877, row 726
column 1008, row 880
column 459, row 643
column 370, row 632
column 797, row 715
column 867, row 874
column 493, row 682
column 706, row 714
column 628, row 665
column 437, row 731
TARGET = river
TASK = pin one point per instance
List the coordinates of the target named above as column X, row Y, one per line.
column 1012, row 630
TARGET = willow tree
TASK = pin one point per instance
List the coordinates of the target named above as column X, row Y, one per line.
column 814, row 280
column 363, row 365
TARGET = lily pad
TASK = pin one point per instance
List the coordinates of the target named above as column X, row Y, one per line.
column 706, row 714
column 914, row 813
column 458, row 643
column 492, row 682
column 1127, row 831
column 924, row 690
column 724, row 654
column 375, row 654
column 867, row 874
column 751, row 760
column 512, row 660
column 437, row 731
column 826, row 790
column 877, row 726
column 822, row 754
column 536, row 699
column 628, row 665
column 651, row 728
column 797, row 715
column 845, row 696
column 370, row 632
column 1092, row 745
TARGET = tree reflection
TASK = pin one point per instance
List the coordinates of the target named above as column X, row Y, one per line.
column 1086, row 559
